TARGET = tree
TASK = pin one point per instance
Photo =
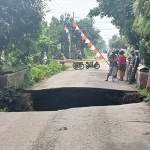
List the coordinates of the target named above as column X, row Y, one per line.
column 87, row 27
column 19, row 19
column 101, row 44
column 141, row 26
column 141, row 11
column 117, row 43
column 121, row 13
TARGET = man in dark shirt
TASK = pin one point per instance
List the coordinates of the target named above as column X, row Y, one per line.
column 136, row 63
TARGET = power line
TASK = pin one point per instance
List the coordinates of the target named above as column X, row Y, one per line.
column 59, row 6
column 55, row 10
column 65, row 6
column 60, row 11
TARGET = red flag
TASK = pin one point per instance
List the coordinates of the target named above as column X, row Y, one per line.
column 74, row 24
column 90, row 44
column 65, row 28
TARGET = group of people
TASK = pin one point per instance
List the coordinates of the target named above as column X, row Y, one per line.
column 119, row 64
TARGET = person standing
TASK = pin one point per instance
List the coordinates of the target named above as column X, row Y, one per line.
column 121, row 65
column 112, row 66
column 108, row 54
column 117, row 53
column 131, row 61
column 134, row 67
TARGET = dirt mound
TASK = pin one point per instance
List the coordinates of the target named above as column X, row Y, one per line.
column 21, row 102
column 132, row 98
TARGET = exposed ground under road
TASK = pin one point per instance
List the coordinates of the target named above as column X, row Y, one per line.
column 124, row 127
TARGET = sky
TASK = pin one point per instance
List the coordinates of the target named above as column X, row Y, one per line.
column 81, row 8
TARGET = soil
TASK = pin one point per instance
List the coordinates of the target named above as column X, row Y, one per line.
column 21, row 102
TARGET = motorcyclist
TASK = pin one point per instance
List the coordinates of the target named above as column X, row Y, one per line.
column 62, row 57
column 79, row 56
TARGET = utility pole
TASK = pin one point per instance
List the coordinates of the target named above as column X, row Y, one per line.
column 70, row 44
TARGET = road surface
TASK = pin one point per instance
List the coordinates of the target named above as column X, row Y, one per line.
column 83, row 78
column 125, row 127
column 96, row 128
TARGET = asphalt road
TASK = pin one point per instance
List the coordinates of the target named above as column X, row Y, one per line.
column 83, row 78
column 94, row 128
column 125, row 127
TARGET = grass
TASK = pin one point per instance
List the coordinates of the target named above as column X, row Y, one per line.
column 144, row 93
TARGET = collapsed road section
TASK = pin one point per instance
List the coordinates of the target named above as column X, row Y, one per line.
column 65, row 98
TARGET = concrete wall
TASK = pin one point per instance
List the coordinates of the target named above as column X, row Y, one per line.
column 142, row 78
column 14, row 78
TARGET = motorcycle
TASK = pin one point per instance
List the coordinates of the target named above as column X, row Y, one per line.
column 78, row 65
column 90, row 64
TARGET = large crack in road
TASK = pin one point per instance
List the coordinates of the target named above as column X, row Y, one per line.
column 65, row 98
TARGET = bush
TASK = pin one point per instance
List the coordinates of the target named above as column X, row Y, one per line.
column 88, row 53
column 39, row 72
column 143, row 92
column 6, row 96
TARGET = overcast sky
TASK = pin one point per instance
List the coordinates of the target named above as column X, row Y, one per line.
column 81, row 9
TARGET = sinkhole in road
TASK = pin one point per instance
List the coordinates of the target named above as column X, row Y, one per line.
column 65, row 98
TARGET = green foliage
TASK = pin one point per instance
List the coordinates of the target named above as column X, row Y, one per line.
column 6, row 96
column 117, row 43
column 19, row 19
column 121, row 13
column 141, row 11
column 7, row 92
column 128, row 51
column 4, row 110
column 39, row 72
column 88, row 53
column 144, row 93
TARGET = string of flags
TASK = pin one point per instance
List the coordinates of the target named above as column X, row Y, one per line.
column 87, row 41
column 67, row 31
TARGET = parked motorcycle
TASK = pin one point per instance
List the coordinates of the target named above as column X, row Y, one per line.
column 90, row 64
column 78, row 65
